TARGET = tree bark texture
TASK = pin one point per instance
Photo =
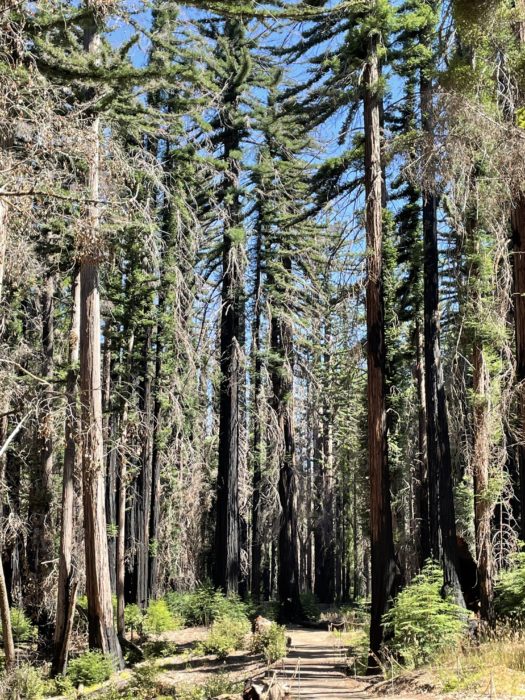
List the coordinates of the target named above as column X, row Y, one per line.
column 65, row 569
column 382, row 543
column 102, row 632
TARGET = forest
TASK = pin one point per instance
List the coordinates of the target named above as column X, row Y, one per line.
column 262, row 348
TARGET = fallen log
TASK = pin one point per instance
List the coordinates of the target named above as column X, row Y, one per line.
column 264, row 690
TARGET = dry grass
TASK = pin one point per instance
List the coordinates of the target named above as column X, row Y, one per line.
column 494, row 667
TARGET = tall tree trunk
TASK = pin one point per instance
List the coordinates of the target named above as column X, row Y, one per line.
column 65, row 569
column 227, row 542
column 5, row 617
column 482, row 503
column 98, row 582
column 382, row 542
column 257, row 448
column 3, row 242
column 421, row 490
column 282, row 402
column 518, row 231
column 109, row 425
column 39, row 541
column 143, row 489
column 442, row 519
column 483, row 508
column 325, row 555
column 120, row 553
column 227, row 554
column 154, row 523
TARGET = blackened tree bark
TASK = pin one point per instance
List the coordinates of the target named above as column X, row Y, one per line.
column 325, row 536
column 282, row 403
column 518, row 232
column 442, row 519
column 384, row 574
column 227, row 543
column 143, row 488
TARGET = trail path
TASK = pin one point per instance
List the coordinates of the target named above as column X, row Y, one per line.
column 314, row 670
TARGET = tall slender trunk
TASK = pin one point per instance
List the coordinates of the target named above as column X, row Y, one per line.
column 257, row 430
column 227, row 540
column 227, row 553
column 482, row 504
column 65, row 569
column 3, row 242
column 483, row 508
column 325, row 550
column 384, row 573
column 282, row 402
column 109, row 425
column 442, row 519
column 154, row 523
column 143, row 488
column 39, row 546
column 421, row 490
column 98, row 583
column 518, row 231
column 122, row 482
column 357, row 589
column 120, row 554
column 5, row 617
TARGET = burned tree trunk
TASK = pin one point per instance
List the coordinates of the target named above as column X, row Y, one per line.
column 442, row 520
column 282, row 404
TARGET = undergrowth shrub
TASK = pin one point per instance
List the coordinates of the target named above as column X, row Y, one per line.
column 159, row 618
column 421, row 622
column 90, row 668
column 204, row 605
column 61, row 685
column 23, row 630
column 510, row 589
column 310, row 606
column 356, row 614
column 271, row 642
column 227, row 634
column 133, row 618
column 215, row 687
column 23, row 682
column 269, row 609
column 159, row 648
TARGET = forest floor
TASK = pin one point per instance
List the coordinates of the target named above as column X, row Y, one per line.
column 319, row 667
column 189, row 669
column 315, row 668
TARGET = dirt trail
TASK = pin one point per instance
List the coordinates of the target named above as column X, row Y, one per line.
column 314, row 669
